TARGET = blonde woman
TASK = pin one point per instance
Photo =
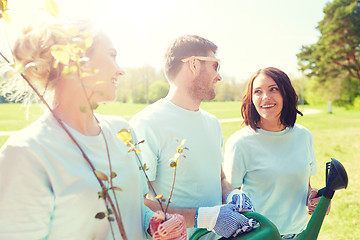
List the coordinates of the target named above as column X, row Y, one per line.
column 47, row 181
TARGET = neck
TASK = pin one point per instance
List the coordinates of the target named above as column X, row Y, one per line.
column 181, row 98
column 271, row 126
column 83, row 122
column 73, row 109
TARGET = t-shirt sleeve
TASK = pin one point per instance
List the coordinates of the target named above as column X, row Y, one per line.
column 234, row 166
column 313, row 165
column 26, row 199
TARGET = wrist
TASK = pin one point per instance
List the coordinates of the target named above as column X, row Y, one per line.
column 196, row 217
column 206, row 217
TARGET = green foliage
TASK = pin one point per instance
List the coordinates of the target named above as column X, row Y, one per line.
column 52, row 8
column 157, row 90
column 357, row 103
column 147, row 85
column 334, row 61
column 300, row 86
column 136, row 85
column 335, row 135
column 229, row 90
column 3, row 11
column 314, row 94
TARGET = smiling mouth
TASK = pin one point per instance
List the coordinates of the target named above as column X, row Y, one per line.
column 268, row 106
column 114, row 81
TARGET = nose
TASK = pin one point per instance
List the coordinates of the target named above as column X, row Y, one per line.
column 218, row 77
column 119, row 71
column 265, row 95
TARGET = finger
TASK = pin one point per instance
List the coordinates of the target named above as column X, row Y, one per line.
column 177, row 233
column 243, row 229
column 247, row 203
column 328, row 210
column 252, row 222
column 313, row 193
column 155, row 221
column 236, row 199
column 314, row 202
column 173, row 225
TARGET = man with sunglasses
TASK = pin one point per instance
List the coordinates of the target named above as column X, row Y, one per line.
column 200, row 188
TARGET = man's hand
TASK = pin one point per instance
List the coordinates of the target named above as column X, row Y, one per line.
column 224, row 220
column 173, row 228
column 238, row 198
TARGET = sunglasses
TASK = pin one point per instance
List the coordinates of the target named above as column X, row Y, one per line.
column 217, row 66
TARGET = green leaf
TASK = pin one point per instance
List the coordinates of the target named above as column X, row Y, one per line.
column 99, row 82
column 102, row 176
column 159, row 196
column 86, row 74
column 3, row 5
column 100, row 195
column 60, row 53
column 142, row 141
column 6, row 17
column 100, row 93
column 68, row 70
column 94, row 105
column 125, row 136
column 83, row 109
column 113, row 175
column 100, row 215
column 173, row 164
column 52, row 8
column 110, row 211
column 83, row 60
column 116, row 188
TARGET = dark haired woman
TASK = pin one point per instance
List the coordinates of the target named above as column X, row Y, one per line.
column 272, row 158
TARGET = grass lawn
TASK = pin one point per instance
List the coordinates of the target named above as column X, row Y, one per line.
column 336, row 135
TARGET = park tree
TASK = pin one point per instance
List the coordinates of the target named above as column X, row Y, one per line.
column 333, row 62
column 228, row 90
column 136, row 85
column 158, row 89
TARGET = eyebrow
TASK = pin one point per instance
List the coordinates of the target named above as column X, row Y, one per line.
column 112, row 50
column 271, row 85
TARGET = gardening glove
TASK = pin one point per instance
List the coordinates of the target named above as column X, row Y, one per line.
column 313, row 201
column 224, row 220
column 239, row 198
column 174, row 228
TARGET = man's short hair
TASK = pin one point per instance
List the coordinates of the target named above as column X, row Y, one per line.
column 183, row 47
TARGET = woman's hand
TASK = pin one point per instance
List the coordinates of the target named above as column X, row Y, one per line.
column 312, row 202
column 174, row 228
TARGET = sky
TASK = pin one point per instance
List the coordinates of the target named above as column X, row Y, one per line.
column 249, row 34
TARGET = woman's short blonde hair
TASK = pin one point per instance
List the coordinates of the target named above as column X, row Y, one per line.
column 32, row 53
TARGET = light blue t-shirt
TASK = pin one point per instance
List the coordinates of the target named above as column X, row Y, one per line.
column 48, row 190
column 273, row 169
column 163, row 125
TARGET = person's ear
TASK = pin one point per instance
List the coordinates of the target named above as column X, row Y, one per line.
column 194, row 65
